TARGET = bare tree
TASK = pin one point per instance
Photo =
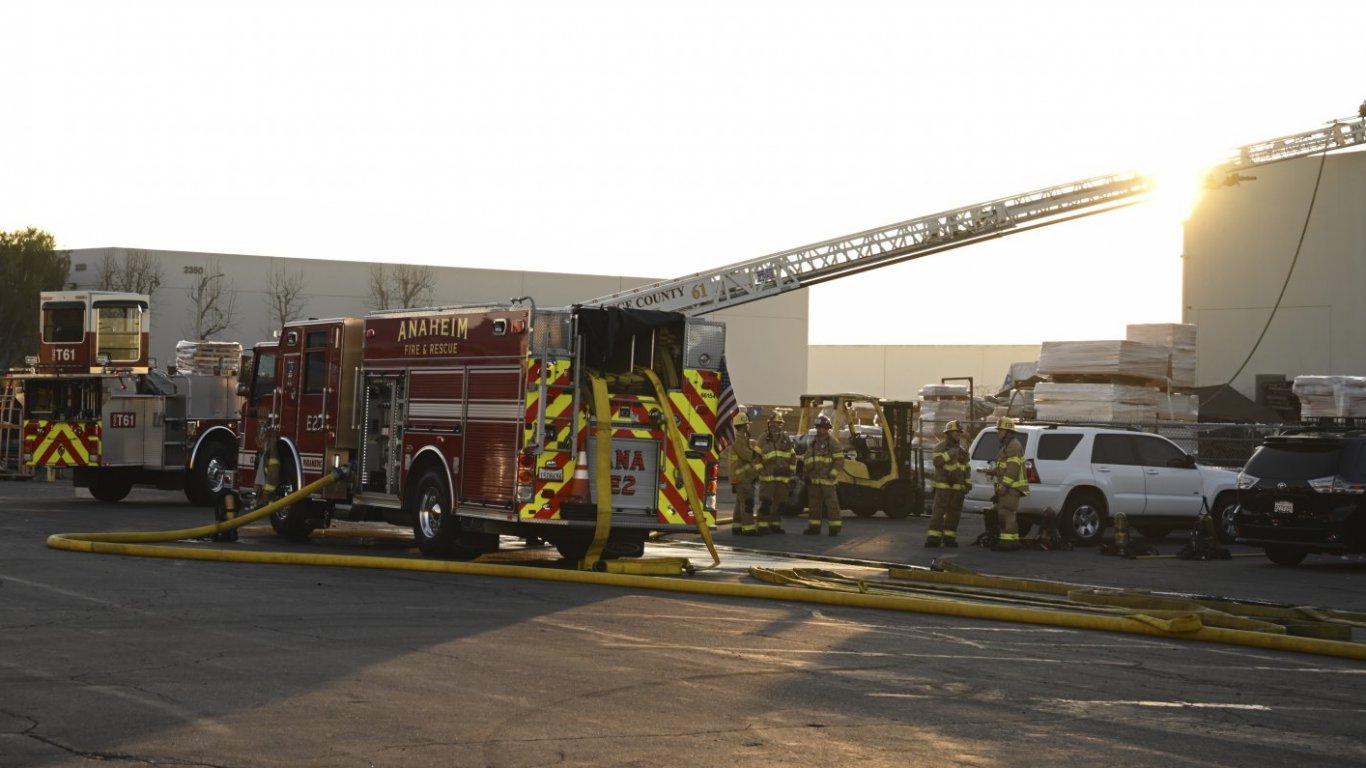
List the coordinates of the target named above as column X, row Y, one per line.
column 213, row 302
column 285, row 295
column 404, row 286
column 135, row 272
column 380, row 294
column 413, row 285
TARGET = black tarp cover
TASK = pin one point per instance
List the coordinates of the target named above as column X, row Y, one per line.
column 603, row 328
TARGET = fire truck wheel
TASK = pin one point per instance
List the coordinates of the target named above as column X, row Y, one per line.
column 206, row 481
column 110, row 487
column 435, row 528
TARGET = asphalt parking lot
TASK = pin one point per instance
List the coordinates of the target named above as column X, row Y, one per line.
column 126, row 660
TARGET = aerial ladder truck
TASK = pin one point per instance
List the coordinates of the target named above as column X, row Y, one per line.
column 885, row 482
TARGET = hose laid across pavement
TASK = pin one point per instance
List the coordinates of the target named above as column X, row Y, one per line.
column 1179, row 626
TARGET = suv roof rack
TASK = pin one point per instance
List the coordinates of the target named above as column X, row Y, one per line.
column 1334, row 426
column 1095, row 424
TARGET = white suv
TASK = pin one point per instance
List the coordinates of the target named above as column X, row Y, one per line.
column 1087, row 474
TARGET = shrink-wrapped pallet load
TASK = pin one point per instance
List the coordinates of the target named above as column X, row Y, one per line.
column 940, row 404
column 1331, row 397
column 207, row 358
column 1318, row 396
column 1104, row 359
column 1179, row 340
column 1178, row 407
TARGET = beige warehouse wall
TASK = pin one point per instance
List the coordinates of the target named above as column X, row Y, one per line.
column 766, row 340
column 898, row 372
column 1240, row 242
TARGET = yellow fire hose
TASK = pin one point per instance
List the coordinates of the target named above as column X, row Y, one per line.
column 1188, row 627
column 602, row 456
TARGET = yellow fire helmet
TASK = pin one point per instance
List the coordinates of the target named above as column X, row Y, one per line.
column 952, row 426
column 741, row 419
column 1007, row 424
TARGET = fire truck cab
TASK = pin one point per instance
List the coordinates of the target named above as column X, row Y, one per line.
column 467, row 423
column 95, row 403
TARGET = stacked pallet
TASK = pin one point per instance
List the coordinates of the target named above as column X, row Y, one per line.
column 1331, row 397
column 940, row 404
column 1179, row 341
column 1145, row 377
column 207, row 358
column 1100, row 381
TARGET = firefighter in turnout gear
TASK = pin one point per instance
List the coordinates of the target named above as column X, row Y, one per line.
column 745, row 465
column 951, row 484
column 1011, row 484
column 824, row 457
column 780, row 466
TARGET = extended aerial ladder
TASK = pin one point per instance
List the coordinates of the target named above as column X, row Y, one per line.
column 777, row 273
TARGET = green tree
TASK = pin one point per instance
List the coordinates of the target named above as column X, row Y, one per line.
column 29, row 263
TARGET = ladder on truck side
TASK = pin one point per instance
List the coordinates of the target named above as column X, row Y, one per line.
column 760, row 278
column 11, row 430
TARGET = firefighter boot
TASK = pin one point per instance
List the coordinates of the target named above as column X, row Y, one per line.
column 951, row 539
column 933, row 540
column 812, row 529
column 834, row 529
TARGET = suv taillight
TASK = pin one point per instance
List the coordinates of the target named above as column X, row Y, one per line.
column 1246, row 481
column 1336, row 484
column 1031, row 474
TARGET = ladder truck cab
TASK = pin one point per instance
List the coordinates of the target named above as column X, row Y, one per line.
column 470, row 422
column 95, row 403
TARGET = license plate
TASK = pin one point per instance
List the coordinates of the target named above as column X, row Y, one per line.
column 1284, row 507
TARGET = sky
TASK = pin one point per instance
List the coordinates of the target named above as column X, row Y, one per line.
column 660, row 139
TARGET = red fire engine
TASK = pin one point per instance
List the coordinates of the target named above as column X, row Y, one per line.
column 94, row 404
column 467, row 423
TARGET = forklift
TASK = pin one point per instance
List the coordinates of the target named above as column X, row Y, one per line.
column 882, row 464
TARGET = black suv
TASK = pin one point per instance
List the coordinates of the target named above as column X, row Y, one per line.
column 1304, row 492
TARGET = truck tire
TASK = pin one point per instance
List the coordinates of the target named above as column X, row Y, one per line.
column 1285, row 554
column 294, row 522
column 110, row 487
column 435, row 527
column 1225, row 506
column 898, row 500
column 1083, row 519
column 573, row 545
column 206, row 481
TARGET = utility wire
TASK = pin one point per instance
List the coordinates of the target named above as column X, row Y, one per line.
column 1304, row 231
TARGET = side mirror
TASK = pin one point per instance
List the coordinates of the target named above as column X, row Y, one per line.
column 242, row 389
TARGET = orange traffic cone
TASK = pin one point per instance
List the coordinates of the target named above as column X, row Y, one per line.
column 579, row 489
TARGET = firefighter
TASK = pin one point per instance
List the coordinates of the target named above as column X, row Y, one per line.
column 745, row 464
column 780, row 465
column 824, row 457
column 1011, row 484
column 951, row 483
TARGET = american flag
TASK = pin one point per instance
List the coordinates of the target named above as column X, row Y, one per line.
column 726, row 408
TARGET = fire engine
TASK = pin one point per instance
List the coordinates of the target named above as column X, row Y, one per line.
column 471, row 422
column 93, row 403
